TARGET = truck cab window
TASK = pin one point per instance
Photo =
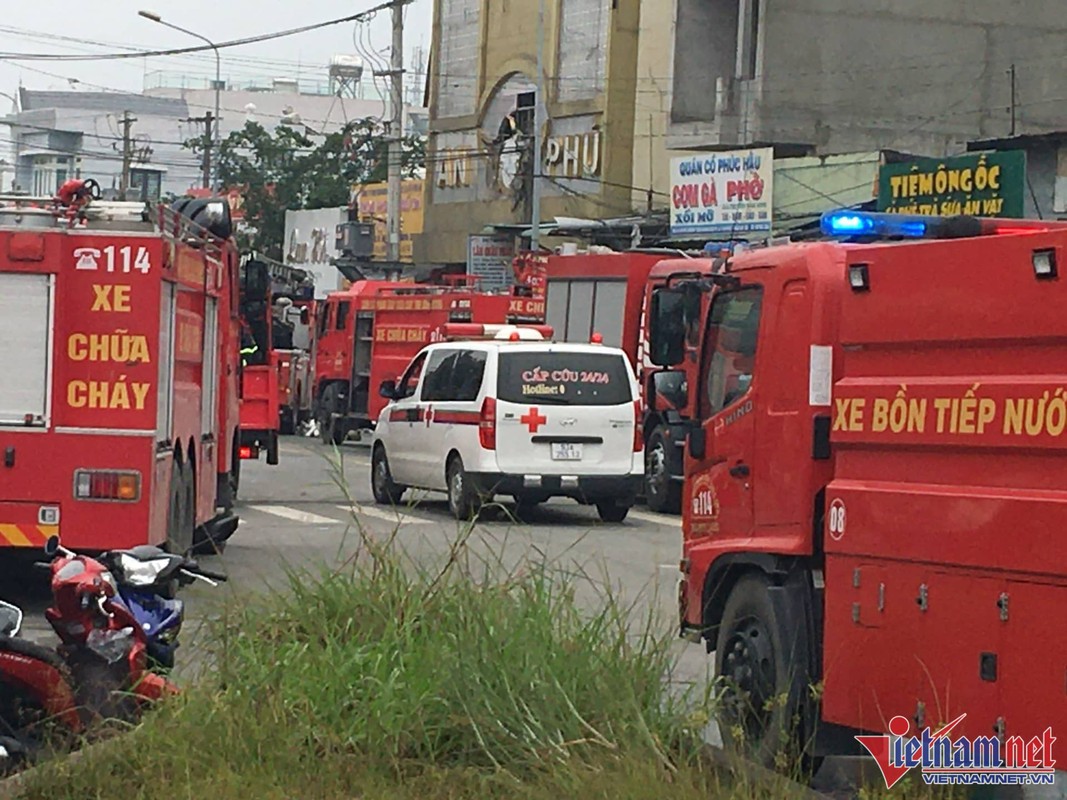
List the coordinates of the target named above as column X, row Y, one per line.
column 730, row 349
column 324, row 318
column 342, row 314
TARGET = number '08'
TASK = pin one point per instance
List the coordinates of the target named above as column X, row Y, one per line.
column 129, row 261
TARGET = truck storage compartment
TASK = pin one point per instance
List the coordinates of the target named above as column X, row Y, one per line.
column 25, row 358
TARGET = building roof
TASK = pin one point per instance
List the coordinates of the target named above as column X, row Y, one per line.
column 1022, row 141
column 116, row 102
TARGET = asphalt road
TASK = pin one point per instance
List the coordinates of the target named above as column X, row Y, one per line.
column 311, row 510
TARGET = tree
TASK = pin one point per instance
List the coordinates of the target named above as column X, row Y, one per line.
column 286, row 169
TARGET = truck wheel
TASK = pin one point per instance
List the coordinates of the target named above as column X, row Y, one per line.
column 462, row 500
column 179, row 533
column 386, row 492
column 235, row 471
column 272, row 449
column 287, row 422
column 610, row 512
column 662, row 494
column 756, row 716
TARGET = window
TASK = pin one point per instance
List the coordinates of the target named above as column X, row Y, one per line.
column 730, row 348
column 410, row 382
column 342, row 314
column 324, row 319
column 438, row 383
column 467, row 375
column 564, row 378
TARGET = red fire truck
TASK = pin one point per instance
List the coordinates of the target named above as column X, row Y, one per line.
column 260, row 364
column 874, row 481
column 368, row 333
column 608, row 293
column 118, row 405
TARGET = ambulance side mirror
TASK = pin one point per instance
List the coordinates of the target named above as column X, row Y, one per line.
column 388, row 390
column 666, row 331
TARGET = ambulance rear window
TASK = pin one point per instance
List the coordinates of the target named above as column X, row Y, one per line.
column 562, row 378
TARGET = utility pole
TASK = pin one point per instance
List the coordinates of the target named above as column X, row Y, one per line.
column 127, row 153
column 396, row 134
column 208, row 121
column 1011, row 72
column 539, row 122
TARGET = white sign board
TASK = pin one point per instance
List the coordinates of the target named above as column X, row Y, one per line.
column 489, row 258
column 722, row 193
column 309, row 244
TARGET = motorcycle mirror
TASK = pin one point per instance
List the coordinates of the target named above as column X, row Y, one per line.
column 51, row 546
column 10, row 619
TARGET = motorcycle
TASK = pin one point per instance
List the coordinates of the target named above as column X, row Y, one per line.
column 100, row 670
column 148, row 578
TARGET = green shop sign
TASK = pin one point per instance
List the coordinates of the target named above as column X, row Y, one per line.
column 983, row 185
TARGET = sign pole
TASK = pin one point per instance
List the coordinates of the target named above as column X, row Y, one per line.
column 539, row 121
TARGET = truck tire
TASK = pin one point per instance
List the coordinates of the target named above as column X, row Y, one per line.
column 662, row 494
column 331, row 429
column 287, row 421
column 756, row 718
column 179, row 533
column 235, row 470
column 272, row 449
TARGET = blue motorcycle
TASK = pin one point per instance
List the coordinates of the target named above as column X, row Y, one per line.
column 148, row 579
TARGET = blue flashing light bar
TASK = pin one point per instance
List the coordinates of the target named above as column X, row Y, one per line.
column 860, row 223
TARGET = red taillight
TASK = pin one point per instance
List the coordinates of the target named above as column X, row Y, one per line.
column 639, row 439
column 248, row 452
column 487, row 424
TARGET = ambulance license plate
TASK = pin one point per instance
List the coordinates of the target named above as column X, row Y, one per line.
column 566, row 451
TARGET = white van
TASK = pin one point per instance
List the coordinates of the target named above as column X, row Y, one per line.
column 514, row 415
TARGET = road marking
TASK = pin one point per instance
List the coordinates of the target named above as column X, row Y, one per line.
column 657, row 519
column 305, row 517
column 388, row 516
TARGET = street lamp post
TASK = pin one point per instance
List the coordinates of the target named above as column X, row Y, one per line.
column 149, row 15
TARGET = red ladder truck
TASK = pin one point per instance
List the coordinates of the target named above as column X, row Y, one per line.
column 118, row 407
column 874, row 482
column 609, row 293
column 368, row 333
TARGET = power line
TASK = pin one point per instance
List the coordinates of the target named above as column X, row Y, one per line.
column 265, row 37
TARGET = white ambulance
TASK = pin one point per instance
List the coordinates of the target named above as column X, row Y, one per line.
column 500, row 409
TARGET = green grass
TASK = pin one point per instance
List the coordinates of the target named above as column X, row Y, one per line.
column 385, row 680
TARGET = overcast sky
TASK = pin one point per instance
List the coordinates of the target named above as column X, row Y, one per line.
column 110, row 25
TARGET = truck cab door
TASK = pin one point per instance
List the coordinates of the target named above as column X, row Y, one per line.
column 720, row 482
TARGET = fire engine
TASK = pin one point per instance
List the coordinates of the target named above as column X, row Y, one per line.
column 608, row 294
column 368, row 333
column 118, row 407
column 874, row 479
column 260, row 364
column 293, row 293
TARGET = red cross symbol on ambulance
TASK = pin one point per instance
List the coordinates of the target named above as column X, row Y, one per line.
column 533, row 420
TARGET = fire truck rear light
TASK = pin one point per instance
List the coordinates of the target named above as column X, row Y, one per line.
column 1044, row 264
column 487, row 424
column 859, row 277
column 248, row 452
column 107, row 485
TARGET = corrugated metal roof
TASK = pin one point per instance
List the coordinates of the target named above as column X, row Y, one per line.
column 114, row 102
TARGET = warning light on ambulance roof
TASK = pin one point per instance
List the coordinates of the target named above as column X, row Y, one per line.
column 853, row 223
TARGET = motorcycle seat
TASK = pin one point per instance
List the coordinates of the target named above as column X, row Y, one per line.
column 24, row 647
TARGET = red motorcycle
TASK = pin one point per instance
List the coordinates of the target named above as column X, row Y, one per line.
column 99, row 670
